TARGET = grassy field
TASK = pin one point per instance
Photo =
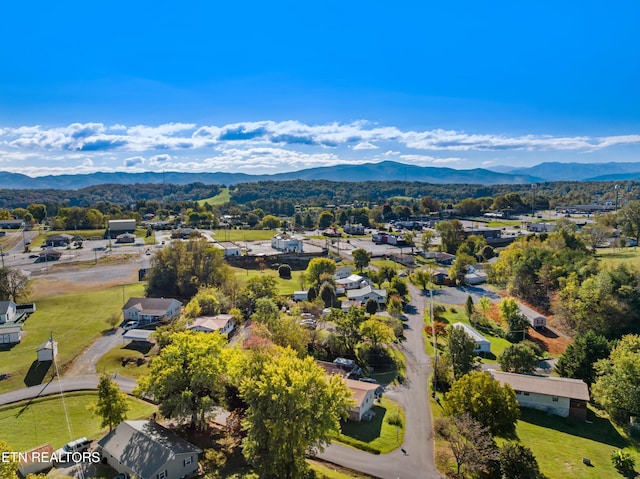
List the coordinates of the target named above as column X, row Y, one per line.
column 612, row 257
column 221, row 198
column 112, row 362
column 326, row 470
column 240, row 236
column 285, row 286
column 377, row 435
column 27, row 425
column 75, row 319
column 559, row 444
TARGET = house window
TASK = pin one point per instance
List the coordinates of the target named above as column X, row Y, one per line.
column 554, row 398
column 188, row 461
column 525, row 393
column 162, row 475
column 518, row 392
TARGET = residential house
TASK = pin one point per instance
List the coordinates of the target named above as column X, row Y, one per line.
column 287, row 243
column 223, row 323
column 10, row 334
column 441, row 277
column 36, row 460
column 354, row 281
column 150, row 310
column 343, row 272
column 58, row 241
column 147, row 450
column 474, row 276
column 481, row 344
column 8, row 312
column 560, row 396
column 363, row 396
column 228, row 248
column 367, row 292
column 351, row 229
column 535, row 319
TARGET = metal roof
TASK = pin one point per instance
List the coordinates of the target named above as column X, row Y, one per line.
column 550, row 386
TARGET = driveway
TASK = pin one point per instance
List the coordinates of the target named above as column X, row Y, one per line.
column 88, row 359
column 458, row 294
column 413, row 395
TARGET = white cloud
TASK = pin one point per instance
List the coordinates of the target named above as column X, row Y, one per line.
column 365, row 145
column 87, row 163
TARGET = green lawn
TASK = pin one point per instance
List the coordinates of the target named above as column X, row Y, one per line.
column 75, row 319
column 379, row 263
column 240, row 236
column 612, row 257
column 221, row 198
column 498, row 344
column 285, row 286
column 27, row 425
column 377, row 435
column 559, row 444
column 112, row 362
column 326, row 470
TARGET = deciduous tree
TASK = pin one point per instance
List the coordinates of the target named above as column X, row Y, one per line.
column 112, row 405
column 460, row 351
column 361, row 258
column 580, row 356
column 293, row 409
column 9, row 464
column 318, row 267
column 488, row 402
column 518, row 462
column 518, row 358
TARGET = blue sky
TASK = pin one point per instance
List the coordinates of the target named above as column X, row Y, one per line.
column 274, row 86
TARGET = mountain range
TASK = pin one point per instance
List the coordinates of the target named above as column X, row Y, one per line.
column 384, row 171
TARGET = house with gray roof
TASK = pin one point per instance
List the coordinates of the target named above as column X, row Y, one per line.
column 480, row 343
column 8, row 312
column 147, row 450
column 151, row 310
column 367, row 292
column 560, row 396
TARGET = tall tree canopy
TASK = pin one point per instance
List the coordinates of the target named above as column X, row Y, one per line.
column 293, row 408
column 112, row 405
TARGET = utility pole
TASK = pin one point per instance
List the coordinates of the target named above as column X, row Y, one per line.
column 534, row 186
column 617, row 190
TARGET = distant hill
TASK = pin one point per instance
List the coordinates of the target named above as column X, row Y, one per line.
column 556, row 171
column 384, row 171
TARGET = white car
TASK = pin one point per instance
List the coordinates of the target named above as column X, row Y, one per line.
column 63, row 454
column 130, row 325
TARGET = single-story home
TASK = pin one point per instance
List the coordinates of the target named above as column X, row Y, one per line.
column 147, row 450
column 8, row 312
column 535, row 319
column 343, row 272
column 223, row 323
column 36, row 460
column 150, row 310
column 441, row 276
column 58, row 241
column 47, row 351
column 363, row 395
column 363, row 294
column 354, row 281
column 229, row 248
column 561, row 396
column 481, row 344
column 10, row 334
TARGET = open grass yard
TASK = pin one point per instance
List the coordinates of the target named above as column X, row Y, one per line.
column 75, row 319
column 326, row 470
column 559, row 444
column 221, row 198
column 129, row 360
column 29, row 424
column 612, row 257
column 242, row 236
column 285, row 286
column 380, row 263
column 376, row 435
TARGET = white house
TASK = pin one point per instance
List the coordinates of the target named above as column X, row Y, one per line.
column 47, row 351
column 481, row 344
column 10, row 334
column 535, row 319
column 228, row 248
column 474, row 276
column 8, row 312
column 147, row 450
column 354, row 281
column 343, row 272
column 363, row 294
column 223, row 323
column 287, row 243
column 363, row 395
column 560, row 396
column 150, row 310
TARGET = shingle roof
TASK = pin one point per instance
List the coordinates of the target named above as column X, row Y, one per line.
column 472, row 333
column 359, row 390
column 144, row 446
column 551, row 386
column 4, row 306
column 150, row 305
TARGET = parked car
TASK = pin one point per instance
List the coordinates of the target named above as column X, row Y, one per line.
column 79, row 445
column 33, row 256
column 130, row 325
column 369, row 380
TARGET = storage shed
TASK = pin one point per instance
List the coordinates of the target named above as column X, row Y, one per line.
column 47, row 351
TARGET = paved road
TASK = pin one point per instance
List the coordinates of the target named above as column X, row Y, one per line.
column 413, row 395
column 78, row 383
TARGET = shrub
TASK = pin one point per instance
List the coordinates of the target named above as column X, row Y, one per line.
column 622, row 461
column 395, row 419
column 284, row 271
